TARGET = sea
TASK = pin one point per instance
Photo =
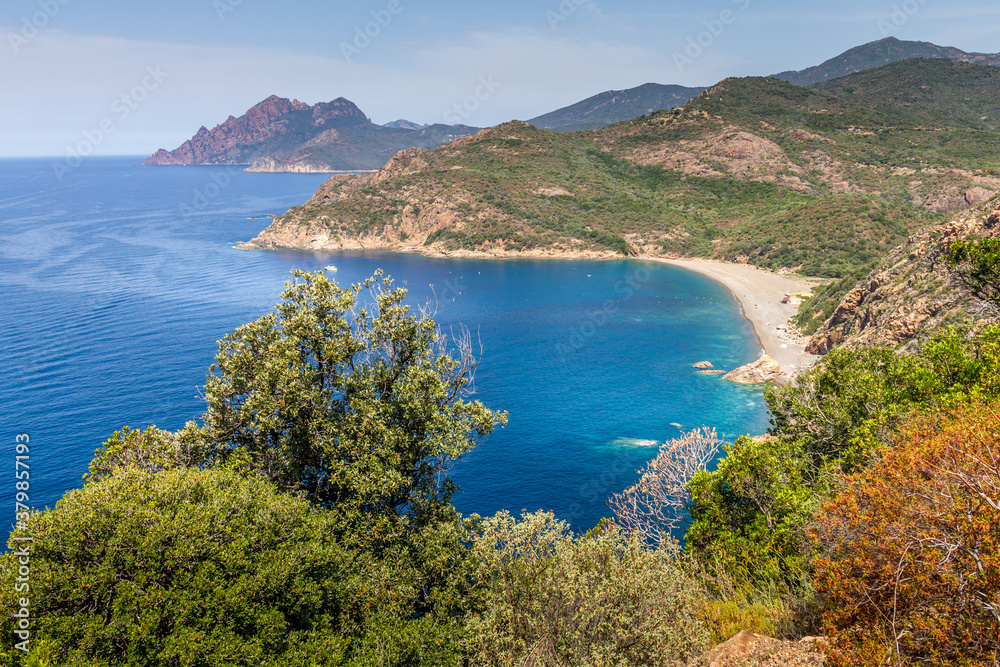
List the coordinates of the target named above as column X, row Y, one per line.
column 117, row 281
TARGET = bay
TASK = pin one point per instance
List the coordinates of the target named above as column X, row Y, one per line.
column 117, row 280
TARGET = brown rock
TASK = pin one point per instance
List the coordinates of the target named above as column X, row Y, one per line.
column 703, row 364
column 229, row 142
column 747, row 649
column 761, row 371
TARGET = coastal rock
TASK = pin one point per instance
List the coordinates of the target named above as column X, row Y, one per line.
column 703, row 364
column 713, row 372
column 761, row 371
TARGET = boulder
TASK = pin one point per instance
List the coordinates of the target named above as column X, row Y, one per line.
column 761, row 371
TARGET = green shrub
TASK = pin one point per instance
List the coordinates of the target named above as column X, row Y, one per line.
column 546, row 597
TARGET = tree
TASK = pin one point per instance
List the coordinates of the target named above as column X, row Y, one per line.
column 545, row 597
column 748, row 515
column 203, row 567
column 976, row 266
column 911, row 548
column 659, row 503
column 849, row 406
column 347, row 397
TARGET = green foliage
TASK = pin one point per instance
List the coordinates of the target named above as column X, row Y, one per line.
column 357, row 406
column 151, row 450
column 545, row 597
column 747, row 515
column 156, row 569
column 936, row 91
column 976, row 264
column 217, row 567
column 846, row 407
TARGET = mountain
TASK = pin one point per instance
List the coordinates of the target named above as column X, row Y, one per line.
column 753, row 170
column 404, row 124
column 882, row 52
column 614, row 106
column 279, row 134
column 938, row 91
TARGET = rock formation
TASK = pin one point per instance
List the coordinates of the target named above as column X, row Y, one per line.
column 910, row 292
column 762, row 371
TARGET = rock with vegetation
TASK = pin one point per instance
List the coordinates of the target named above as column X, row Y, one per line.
column 285, row 135
column 913, row 291
column 752, row 170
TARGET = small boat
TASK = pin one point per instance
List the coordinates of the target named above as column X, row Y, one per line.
column 330, row 268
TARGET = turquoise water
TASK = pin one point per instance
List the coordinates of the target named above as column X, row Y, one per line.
column 117, row 281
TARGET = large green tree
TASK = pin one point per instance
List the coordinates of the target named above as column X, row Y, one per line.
column 348, row 397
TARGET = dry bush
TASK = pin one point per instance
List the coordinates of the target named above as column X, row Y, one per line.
column 658, row 503
column 911, row 565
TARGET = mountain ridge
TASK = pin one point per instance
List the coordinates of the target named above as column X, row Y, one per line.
column 878, row 53
column 753, row 170
column 614, row 106
column 279, row 134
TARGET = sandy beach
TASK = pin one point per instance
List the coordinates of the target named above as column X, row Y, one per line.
column 760, row 293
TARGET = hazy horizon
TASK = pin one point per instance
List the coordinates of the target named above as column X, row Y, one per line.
column 132, row 79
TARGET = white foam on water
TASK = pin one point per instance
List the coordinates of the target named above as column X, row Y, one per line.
column 634, row 442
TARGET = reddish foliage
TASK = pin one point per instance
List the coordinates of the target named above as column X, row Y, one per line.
column 911, row 565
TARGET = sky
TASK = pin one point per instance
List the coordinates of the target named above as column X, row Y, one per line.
column 121, row 77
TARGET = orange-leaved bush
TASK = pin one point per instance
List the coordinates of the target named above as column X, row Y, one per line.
column 911, row 547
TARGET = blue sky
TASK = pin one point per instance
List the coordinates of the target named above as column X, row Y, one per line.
column 130, row 77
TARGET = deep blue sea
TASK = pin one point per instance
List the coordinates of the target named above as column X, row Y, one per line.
column 117, row 280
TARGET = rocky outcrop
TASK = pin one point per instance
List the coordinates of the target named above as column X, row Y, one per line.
column 285, row 135
column 222, row 144
column 270, row 165
column 912, row 291
column 764, row 370
column 747, row 649
column 703, row 365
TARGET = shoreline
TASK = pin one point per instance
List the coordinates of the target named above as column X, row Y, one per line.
column 759, row 293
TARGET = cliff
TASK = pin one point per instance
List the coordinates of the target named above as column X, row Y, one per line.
column 287, row 135
column 911, row 292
